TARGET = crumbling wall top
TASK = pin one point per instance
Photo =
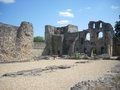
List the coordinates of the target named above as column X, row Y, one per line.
column 60, row 30
column 99, row 25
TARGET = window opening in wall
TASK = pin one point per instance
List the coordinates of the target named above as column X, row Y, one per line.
column 100, row 25
column 100, row 35
column 94, row 25
column 93, row 52
column 88, row 36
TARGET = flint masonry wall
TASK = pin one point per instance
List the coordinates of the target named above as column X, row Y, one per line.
column 55, row 39
column 116, row 47
column 16, row 42
column 75, row 41
column 100, row 45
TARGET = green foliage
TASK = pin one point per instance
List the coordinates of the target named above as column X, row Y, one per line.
column 76, row 55
column 94, row 51
column 117, row 30
column 38, row 39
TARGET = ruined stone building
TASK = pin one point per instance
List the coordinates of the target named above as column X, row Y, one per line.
column 16, row 42
column 68, row 40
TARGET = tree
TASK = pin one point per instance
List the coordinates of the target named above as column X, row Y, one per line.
column 38, row 39
column 117, row 30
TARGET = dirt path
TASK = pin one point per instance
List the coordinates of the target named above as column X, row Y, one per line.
column 60, row 79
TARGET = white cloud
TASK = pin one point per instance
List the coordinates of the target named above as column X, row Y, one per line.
column 63, row 22
column 114, row 7
column 67, row 13
column 7, row 1
column 69, row 10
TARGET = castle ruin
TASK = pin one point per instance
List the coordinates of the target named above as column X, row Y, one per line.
column 16, row 43
column 68, row 40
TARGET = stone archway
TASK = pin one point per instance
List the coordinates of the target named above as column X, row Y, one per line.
column 93, row 52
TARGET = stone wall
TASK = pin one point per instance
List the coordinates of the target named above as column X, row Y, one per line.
column 38, row 45
column 68, row 42
column 57, row 44
column 116, row 47
column 16, row 42
column 100, row 44
column 76, row 41
column 54, row 38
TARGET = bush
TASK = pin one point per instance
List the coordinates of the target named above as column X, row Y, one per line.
column 76, row 55
column 38, row 39
column 117, row 30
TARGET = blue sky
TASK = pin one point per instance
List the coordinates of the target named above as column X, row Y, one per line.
column 58, row 12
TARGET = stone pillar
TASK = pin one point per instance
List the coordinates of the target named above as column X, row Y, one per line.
column 49, row 31
column 24, row 41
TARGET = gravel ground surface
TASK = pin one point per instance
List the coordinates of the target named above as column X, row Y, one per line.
column 56, row 74
column 110, row 81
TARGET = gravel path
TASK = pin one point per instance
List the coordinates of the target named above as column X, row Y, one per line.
column 110, row 81
column 59, row 79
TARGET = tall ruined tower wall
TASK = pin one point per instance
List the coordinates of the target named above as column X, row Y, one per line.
column 55, row 38
column 16, row 42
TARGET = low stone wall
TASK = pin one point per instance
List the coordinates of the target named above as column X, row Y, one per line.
column 38, row 48
column 38, row 45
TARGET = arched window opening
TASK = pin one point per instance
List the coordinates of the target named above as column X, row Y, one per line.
column 100, row 25
column 94, row 25
column 88, row 36
column 100, row 35
column 93, row 52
